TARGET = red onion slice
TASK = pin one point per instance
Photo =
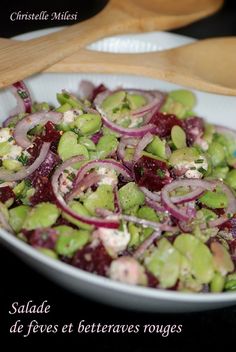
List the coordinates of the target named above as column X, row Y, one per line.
column 25, row 172
column 146, row 223
column 141, row 146
column 88, row 181
column 151, row 195
column 30, row 121
column 188, row 197
column 86, row 89
column 225, row 130
column 132, row 132
column 112, row 223
column 154, row 205
column 146, row 244
column 181, row 214
column 22, row 95
column 107, row 163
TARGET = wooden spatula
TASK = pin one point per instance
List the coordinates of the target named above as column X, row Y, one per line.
column 22, row 59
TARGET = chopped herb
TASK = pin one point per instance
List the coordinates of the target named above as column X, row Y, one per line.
column 22, row 94
column 1, row 181
column 199, row 161
column 202, row 170
column 10, row 139
column 114, row 110
column 23, row 159
column 160, row 173
column 193, row 168
column 71, row 177
column 27, row 182
column 229, row 215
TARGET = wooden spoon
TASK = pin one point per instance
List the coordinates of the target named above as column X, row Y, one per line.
column 22, row 59
column 207, row 65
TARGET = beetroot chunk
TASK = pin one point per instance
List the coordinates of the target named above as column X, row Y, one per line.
column 194, row 128
column 6, row 194
column 93, row 259
column 45, row 238
column 45, row 169
column 151, row 173
column 164, row 123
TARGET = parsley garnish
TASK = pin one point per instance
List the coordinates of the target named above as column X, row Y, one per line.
column 160, row 173
column 199, row 161
column 23, row 159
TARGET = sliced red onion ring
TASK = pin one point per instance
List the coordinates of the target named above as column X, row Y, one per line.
column 154, row 205
column 181, row 214
column 188, row 197
column 146, row 223
column 30, row 121
column 88, row 181
column 107, row 163
column 146, row 244
column 132, row 132
column 26, row 171
column 112, row 223
column 22, row 95
column 86, row 89
column 151, row 195
column 147, row 138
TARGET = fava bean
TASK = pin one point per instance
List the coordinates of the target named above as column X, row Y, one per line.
column 178, row 137
column 88, row 143
column 81, row 210
column 11, row 165
column 70, row 240
column 231, row 179
column 17, row 217
column 136, row 101
column 102, row 198
column 68, row 146
column 107, row 145
column 130, row 196
column 217, row 283
column 157, row 147
column 217, row 154
column 65, row 97
column 41, row 216
column 5, row 148
column 214, row 200
column 88, row 124
column 113, row 101
column 164, row 263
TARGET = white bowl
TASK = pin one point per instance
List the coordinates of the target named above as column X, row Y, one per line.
column 215, row 108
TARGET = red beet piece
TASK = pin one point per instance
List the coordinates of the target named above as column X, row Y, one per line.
column 6, row 194
column 194, row 128
column 164, row 123
column 93, row 259
column 45, row 238
column 45, row 169
column 151, row 173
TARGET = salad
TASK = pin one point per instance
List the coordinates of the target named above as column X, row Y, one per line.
column 129, row 184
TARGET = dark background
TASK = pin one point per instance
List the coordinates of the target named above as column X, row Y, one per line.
column 20, row 283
